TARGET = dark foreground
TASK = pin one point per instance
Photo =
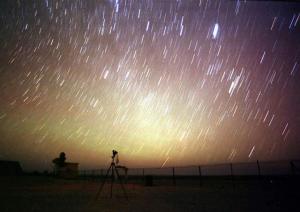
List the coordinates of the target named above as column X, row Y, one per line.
column 49, row 194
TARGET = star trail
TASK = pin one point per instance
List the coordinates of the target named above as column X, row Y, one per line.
column 163, row 82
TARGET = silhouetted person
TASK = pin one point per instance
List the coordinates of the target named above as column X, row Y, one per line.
column 60, row 162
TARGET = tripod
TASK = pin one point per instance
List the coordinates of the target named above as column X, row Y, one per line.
column 113, row 170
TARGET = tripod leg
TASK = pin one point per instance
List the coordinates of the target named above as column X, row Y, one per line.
column 123, row 188
column 101, row 187
column 112, row 180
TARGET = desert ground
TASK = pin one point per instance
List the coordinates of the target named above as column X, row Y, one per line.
column 39, row 193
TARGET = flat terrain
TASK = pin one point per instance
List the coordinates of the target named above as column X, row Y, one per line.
column 49, row 194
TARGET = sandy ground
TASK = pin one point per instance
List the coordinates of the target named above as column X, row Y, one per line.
column 48, row 194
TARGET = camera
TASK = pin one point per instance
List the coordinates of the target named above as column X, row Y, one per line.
column 114, row 153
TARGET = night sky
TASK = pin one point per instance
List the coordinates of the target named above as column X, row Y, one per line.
column 163, row 82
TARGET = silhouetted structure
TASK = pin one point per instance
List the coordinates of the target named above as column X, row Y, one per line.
column 64, row 169
column 10, row 168
column 60, row 161
column 149, row 180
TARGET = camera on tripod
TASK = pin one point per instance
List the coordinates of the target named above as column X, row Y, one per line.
column 114, row 174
